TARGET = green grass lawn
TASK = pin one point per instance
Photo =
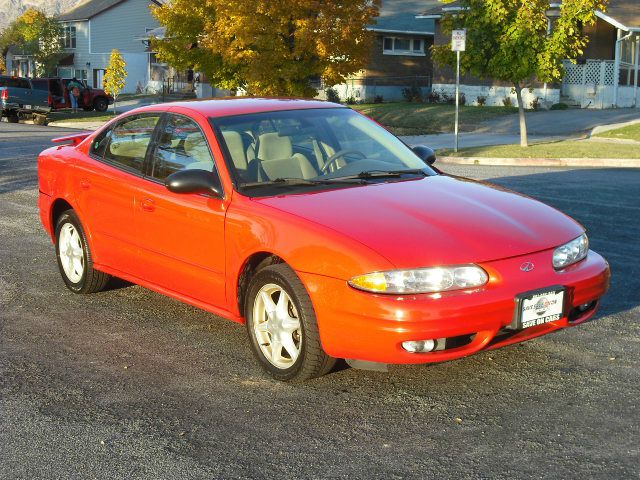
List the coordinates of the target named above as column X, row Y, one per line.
column 631, row 132
column 560, row 149
column 405, row 118
column 80, row 116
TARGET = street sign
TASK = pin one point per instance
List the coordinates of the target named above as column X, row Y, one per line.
column 458, row 40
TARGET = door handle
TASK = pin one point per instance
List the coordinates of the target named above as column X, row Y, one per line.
column 85, row 184
column 148, row 205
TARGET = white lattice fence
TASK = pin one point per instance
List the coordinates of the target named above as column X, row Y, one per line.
column 594, row 72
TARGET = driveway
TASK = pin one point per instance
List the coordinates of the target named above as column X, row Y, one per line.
column 131, row 384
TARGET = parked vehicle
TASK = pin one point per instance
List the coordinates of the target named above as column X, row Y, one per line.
column 90, row 98
column 18, row 98
column 319, row 229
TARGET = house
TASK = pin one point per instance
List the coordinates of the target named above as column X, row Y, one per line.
column 605, row 76
column 18, row 62
column 94, row 28
column 400, row 57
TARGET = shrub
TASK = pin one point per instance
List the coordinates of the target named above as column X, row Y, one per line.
column 434, row 97
column 332, row 95
column 535, row 103
column 350, row 100
column 481, row 100
column 412, row 94
column 507, row 102
column 559, row 106
column 378, row 99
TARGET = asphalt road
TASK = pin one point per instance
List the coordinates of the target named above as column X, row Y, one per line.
column 130, row 384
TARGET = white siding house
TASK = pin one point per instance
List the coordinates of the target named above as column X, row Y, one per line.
column 94, row 28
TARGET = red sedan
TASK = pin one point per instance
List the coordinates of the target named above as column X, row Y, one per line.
column 320, row 230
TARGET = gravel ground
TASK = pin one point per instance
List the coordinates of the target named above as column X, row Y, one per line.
column 130, row 384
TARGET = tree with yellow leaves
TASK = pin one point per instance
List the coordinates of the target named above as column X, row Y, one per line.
column 115, row 76
column 3, row 66
column 268, row 47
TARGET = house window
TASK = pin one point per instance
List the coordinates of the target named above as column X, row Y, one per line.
column 403, row 46
column 65, row 72
column 81, row 74
column 68, row 38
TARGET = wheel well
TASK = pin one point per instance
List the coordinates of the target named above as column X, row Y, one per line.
column 253, row 265
column 59, row 206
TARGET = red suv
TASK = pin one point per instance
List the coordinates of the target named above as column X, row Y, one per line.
column 90, row 98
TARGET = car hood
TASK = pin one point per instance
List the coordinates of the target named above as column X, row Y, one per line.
column 435, row 220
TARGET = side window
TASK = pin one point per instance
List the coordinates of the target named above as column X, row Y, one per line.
column 181, row 146
column 126, row 144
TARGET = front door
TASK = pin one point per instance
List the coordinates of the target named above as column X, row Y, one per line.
column 98, row 78
column 182, row 235
column 106, row 185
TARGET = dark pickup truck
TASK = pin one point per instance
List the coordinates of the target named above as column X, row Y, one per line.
column 18, row 99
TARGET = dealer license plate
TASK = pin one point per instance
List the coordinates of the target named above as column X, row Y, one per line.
column 541, row 306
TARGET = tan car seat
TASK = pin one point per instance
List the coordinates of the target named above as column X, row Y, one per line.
column 277, row 160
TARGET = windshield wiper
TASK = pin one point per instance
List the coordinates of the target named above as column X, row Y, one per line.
column 293, row 182
column 368, row 174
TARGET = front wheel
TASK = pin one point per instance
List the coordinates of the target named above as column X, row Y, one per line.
column 74, row 256
column 100, row 104
column 282, row 326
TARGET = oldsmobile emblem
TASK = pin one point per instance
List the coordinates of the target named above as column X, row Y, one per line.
column 527, row 266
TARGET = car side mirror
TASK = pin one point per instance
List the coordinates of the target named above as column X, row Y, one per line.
column 194, row 181
column 426, row 154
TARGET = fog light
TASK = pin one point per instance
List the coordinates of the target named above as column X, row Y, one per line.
column 585, row 306
column 419, row 346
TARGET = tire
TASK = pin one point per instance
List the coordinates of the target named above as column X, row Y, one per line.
column 74, row 256
column 310, row 361
column 100, row 104
column 13, row 117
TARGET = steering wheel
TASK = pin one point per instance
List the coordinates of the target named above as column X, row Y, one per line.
column 339, row 154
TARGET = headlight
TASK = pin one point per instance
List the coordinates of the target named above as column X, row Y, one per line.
column 571, row 252
column 422, row 280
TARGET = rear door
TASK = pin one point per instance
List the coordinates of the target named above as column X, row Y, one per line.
column 106, row 183
column 182, row 235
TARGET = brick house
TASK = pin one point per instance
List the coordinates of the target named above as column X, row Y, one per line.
column 400, row 56
column 605, row 76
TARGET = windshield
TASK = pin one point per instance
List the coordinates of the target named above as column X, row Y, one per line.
column 298, row 148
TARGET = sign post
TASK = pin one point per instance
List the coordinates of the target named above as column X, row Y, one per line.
column 458, row 44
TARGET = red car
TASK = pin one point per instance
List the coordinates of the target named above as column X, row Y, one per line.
column 320, row 230
column 90, row 98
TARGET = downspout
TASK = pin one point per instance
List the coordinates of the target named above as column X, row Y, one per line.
column 616, row 65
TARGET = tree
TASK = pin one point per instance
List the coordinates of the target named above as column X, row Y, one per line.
column 508, row 40
column 3, row 66
column 268, row 47
column 37, row 35
column 115, row 76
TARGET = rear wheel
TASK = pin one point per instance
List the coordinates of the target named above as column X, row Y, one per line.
column 74, row 256
column 100, row 104
column 282, row 326
column 13, row 117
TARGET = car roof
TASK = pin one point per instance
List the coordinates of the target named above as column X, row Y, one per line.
column 222, row 107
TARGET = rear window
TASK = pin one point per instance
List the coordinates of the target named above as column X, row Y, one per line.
column 40, row 84
column 14, row 82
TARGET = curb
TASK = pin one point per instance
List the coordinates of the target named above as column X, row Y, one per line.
column 543, row 162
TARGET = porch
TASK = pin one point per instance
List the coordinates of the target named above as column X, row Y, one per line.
column 613, row 83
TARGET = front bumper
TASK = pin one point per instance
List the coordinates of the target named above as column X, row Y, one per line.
column 365, row 326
